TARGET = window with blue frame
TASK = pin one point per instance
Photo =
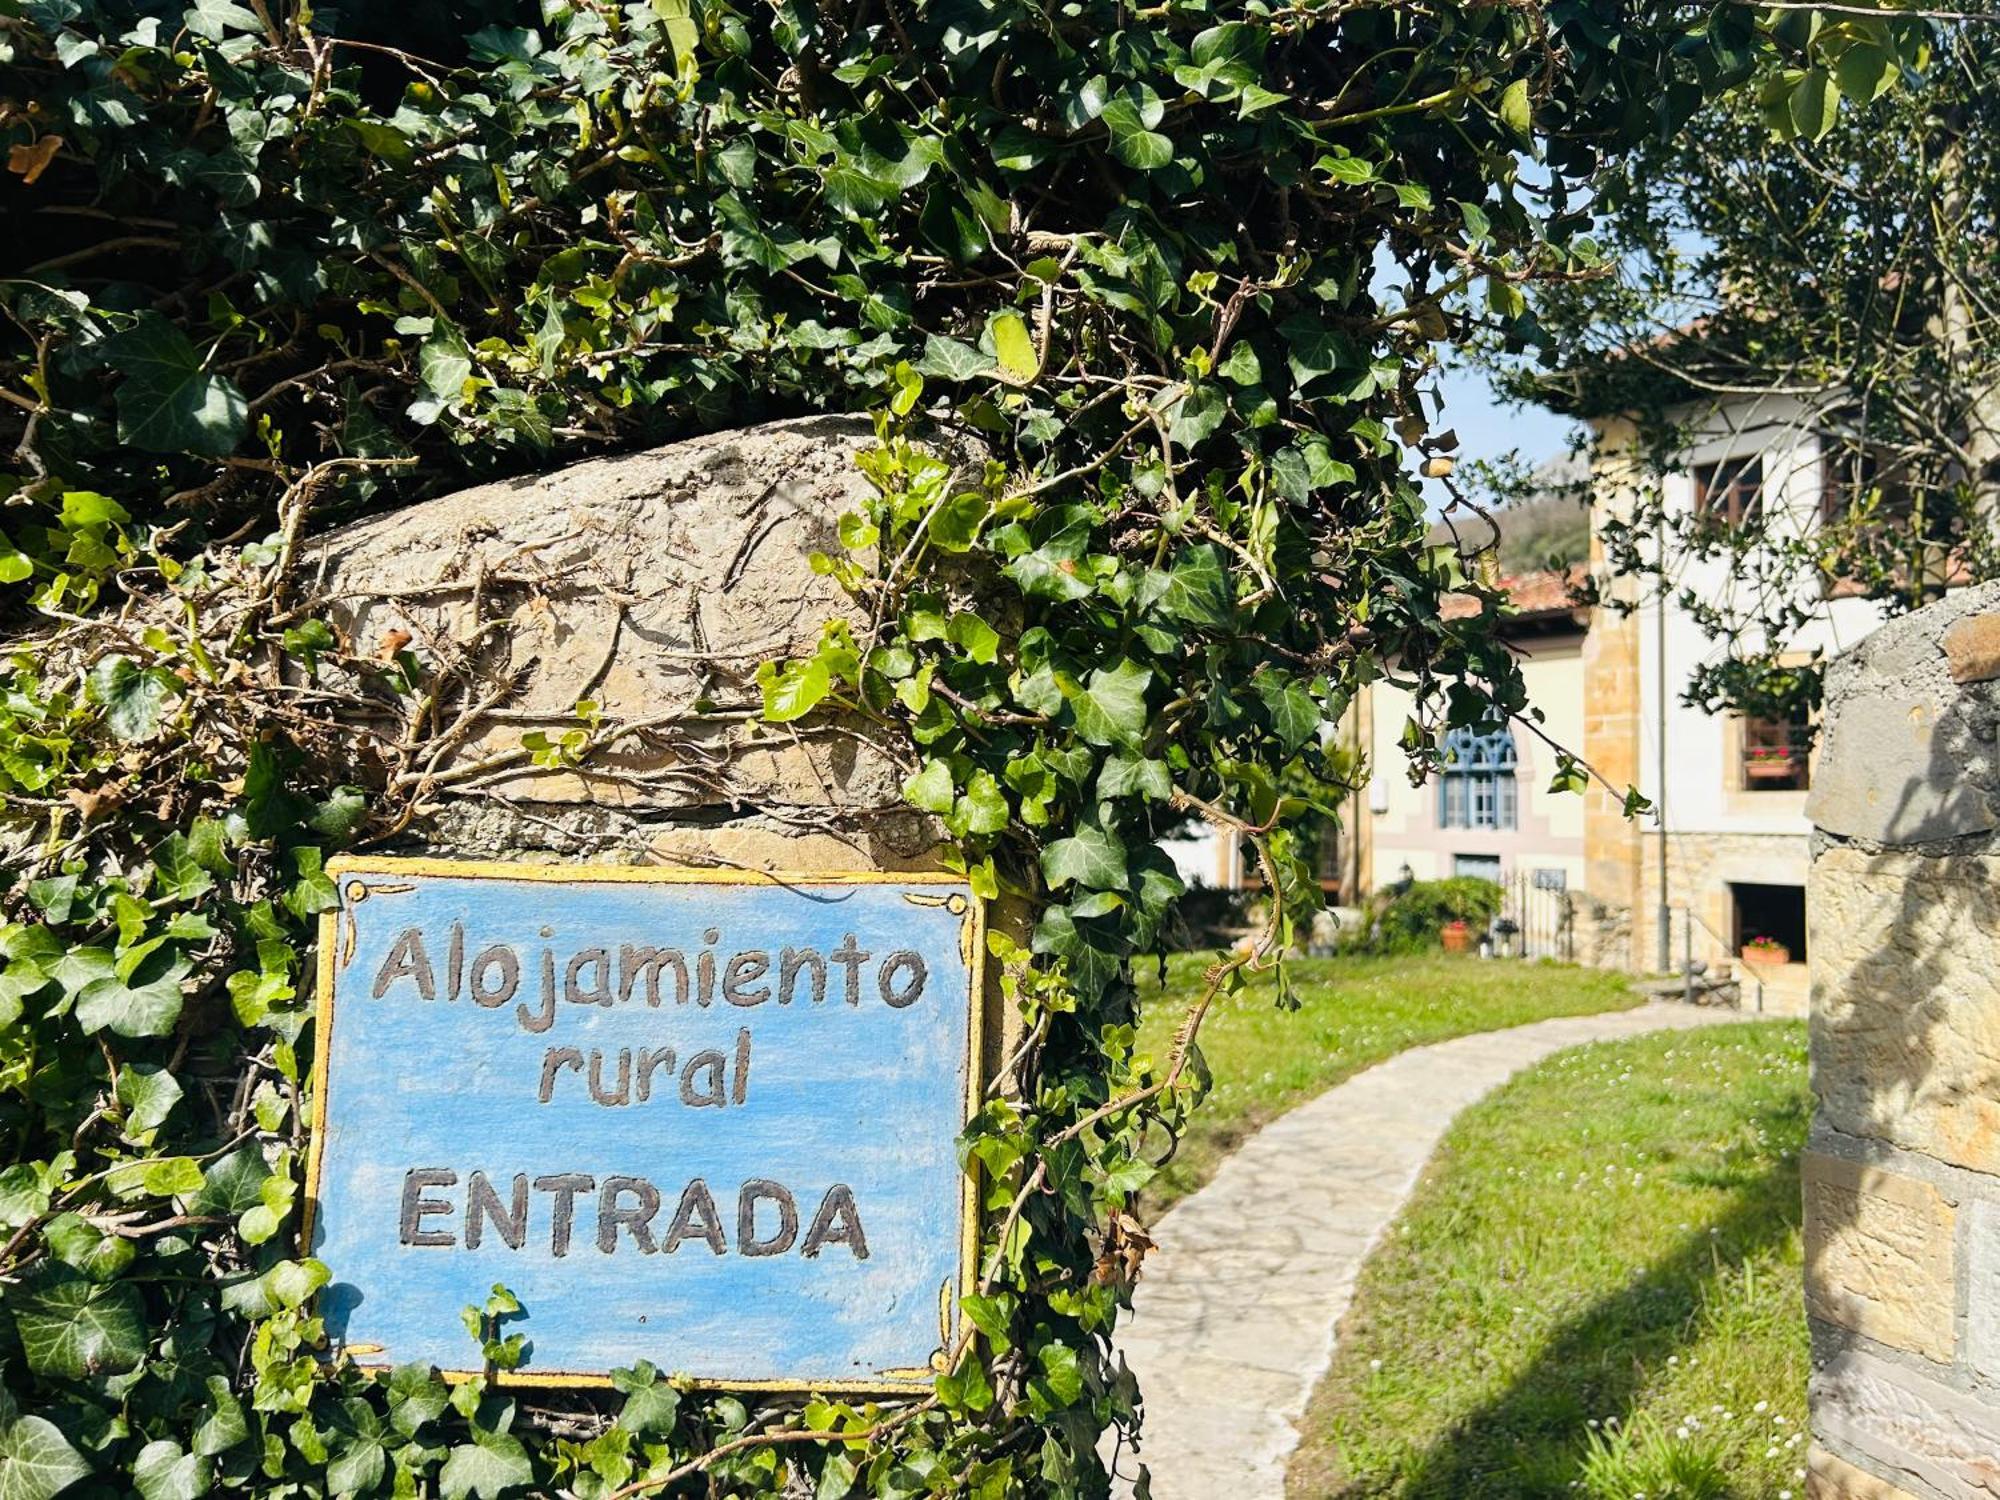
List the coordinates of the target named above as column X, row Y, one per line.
column 1476, row 786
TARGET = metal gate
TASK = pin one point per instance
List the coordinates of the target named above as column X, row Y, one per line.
column 1536, row 920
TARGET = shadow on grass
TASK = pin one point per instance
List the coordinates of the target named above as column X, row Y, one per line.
column 1529, row 1442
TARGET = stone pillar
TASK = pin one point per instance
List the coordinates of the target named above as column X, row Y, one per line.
column 647, row 588
column 1902, row 1175
column 1610, row 922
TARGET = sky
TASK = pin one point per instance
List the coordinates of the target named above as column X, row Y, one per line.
column 1487, row 428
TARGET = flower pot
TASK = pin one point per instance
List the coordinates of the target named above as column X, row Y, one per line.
column 1771, row 770
column 1456, row 937
column 1766, row 953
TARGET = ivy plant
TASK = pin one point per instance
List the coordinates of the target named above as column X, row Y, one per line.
column 1146, row 303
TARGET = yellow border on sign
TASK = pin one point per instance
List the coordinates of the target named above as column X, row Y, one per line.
column 972, row 940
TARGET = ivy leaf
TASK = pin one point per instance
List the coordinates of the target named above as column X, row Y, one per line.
column 1314, row 350
column 983, row 808
column 147, row 1093
column 163, row 1472
column 293, row 1281
column 974, row 637
column 15, row 565
column 233, row 1184
column 1061, row 1371
column 215, row 19
column 131, row 696
column 651, row 1405
column 144, row 1002
column 444, row 365
column 208, row 842
column 1014, row 348
column 1090, row 857
column 990, row 1315
column 1132, row 775
column 181, row 876
column 287, row 1284
column 1130, row 116
column 167, row 402
column 836, row 1478
column 83, row 1247
column 932, row 788
column 36, row 1460
column 313, row 891
column 362, row 1451
column 488, row 1466
column 23, row 1195
column 53, row 896
column 793, row 690
column 1042, row 574
column 1111, row 708
column 853, row 192
column 1295, row 717
column 416, row 1397
column 1091, row 965
column 72, row 1328
column 87, row 510
column 78, row 967
column 955, row 524
column 1196, row 415
column 1196, row 589
column 171, row 1176
column 225, row 1425
column 950, row 359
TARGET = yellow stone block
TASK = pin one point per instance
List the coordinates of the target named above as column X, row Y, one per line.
column 1906, row 1001
column 1830, row 1478
column 1879, row 1255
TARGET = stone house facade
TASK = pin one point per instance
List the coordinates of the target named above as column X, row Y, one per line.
column 1721, row 860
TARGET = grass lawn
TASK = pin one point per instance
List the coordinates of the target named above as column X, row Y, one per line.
column 1354, row 1012
column 1595, row 1291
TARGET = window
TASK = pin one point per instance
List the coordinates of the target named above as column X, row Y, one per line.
column 1476, row 866
column 1776, row 754
column 1730, row 491
column 1773, row 918
column 1476, row 788
column 1866, row 505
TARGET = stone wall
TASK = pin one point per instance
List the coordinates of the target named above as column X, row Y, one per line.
column 1902, row 1175
column 650, row 587
column 1701, row 869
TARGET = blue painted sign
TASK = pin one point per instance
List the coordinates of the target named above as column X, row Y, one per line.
column 706, row 1121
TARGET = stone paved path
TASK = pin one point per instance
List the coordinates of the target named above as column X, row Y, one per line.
column 1233, row 1324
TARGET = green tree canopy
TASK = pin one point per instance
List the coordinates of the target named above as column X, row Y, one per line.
column 1803, row 274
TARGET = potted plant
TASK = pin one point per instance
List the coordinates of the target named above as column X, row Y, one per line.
column 1771, row 763
column 1456, row 935
column 1766, row 950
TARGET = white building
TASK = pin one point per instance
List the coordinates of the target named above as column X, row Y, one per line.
column 1720, row 862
